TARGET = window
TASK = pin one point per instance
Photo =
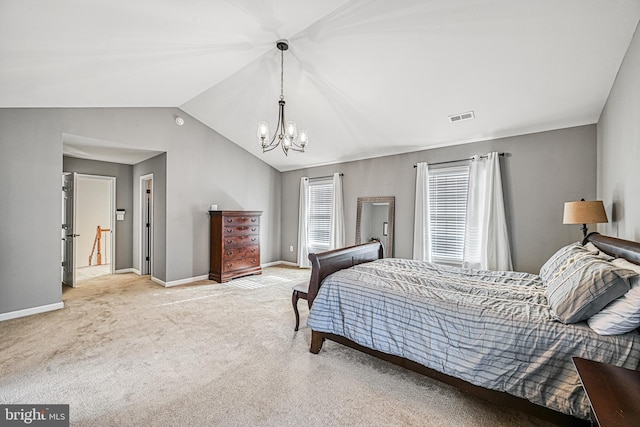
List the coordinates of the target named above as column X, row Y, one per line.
column 319, row 221
column 448, row 188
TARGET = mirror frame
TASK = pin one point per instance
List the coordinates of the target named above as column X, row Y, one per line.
column 391, row 219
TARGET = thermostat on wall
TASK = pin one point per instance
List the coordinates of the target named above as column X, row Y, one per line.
column 120, row 214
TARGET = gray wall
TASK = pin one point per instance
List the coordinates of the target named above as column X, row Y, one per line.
column 202, row 167
column 124, row 200
column 619, row 150
column 30, row 208
column 540, row 172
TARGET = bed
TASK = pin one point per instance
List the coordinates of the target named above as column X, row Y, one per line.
column 497, row 335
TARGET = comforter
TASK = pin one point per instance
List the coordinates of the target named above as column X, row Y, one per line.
column 492, row 329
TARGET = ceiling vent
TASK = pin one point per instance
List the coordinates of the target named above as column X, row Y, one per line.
column 462, row 116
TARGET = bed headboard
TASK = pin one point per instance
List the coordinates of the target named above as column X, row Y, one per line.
column 325, row 263
column 613, row 246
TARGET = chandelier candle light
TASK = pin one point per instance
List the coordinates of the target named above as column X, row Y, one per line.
column 286, row 132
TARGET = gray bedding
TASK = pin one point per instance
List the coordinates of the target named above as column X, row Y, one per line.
column 492, row 329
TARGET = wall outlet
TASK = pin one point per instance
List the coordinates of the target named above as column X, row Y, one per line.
column 291, row 248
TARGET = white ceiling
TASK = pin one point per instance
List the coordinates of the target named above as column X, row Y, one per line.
column 107, row 151
column 364, row 77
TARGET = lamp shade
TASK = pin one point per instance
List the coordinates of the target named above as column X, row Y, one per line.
column 584, row 212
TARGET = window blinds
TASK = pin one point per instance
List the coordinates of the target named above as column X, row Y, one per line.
column 319, row 225
column 448, row 189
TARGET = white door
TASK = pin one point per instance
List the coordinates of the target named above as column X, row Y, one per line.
column 69, row 229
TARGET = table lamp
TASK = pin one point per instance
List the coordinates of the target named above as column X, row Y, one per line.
column 584, row 212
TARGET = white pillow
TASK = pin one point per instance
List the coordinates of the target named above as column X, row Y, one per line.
column 623, row 314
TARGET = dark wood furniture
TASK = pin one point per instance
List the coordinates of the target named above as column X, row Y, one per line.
column 235, row 244
column 324, row 264
column 300, row 291
column 615, row 247
column 613, row 392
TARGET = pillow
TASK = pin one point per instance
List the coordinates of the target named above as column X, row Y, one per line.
column 623, row 263
column 550, row 268
column 592, row 248
column 623, row 314
column 583, row 286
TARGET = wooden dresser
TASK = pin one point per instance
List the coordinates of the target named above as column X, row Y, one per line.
column 235, row 244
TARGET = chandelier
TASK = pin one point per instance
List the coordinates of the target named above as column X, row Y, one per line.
column 286, row 133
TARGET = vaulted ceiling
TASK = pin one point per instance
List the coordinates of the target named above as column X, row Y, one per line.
column 365, row 77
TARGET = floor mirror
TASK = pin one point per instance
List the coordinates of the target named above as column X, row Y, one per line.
column 374, row 221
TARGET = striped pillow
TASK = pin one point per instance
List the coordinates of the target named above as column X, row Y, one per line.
column 561, row 257
column 583, row 286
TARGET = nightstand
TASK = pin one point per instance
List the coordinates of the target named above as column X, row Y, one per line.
column 613, row 392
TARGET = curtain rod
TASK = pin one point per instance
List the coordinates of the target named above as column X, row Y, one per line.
column 324, row 177
column 459, row 160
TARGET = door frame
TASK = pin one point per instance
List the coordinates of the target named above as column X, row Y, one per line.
column 112, row 218
column 112, row 212
column 141, row 221
column 68, row 248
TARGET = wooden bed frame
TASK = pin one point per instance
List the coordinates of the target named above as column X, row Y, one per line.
column 326, row 263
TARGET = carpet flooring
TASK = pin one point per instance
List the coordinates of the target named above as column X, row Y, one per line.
column 127, row 352
column 89, row 272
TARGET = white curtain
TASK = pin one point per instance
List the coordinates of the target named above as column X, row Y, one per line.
column 486, row 243
column 303, row 250
column 421, row 237
column 337, row 238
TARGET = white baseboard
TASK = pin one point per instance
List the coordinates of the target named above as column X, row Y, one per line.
column 288, row 263
column 158, row 281
column 206, row 276
column 128, row 270
column 179, row 282
column 273, row 263
column 29, row 311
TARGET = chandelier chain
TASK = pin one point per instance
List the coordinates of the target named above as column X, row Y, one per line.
column 286, row 135
column 282, row 74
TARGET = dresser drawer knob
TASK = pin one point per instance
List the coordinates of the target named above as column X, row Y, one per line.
column 229, row 242
column 253, row 220
column 229, row 220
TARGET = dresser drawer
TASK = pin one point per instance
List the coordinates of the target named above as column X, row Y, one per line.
column 241, row 220
column 231, row 241
column 242, row 252
column 235, row 244
column 239, row 264
column 241, row 230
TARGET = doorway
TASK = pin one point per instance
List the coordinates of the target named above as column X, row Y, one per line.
column 88, row 227
column 146, row 224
